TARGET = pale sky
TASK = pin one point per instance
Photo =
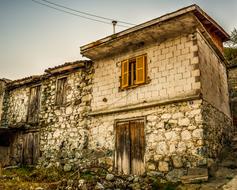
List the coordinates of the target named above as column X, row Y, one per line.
column 34, row 37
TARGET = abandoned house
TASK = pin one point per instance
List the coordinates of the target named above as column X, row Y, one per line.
column 152, row 98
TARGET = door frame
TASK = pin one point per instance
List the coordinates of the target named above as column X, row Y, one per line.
column 144, row 118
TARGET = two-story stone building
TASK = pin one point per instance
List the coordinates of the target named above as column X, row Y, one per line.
column 153, row 97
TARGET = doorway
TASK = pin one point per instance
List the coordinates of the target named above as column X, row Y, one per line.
column 130, row 146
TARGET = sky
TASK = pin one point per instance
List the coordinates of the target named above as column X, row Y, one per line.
column 34, row 37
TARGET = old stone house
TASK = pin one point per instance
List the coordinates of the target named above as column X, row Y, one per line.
column 153, row 97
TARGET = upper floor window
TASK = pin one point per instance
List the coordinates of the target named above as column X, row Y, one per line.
column 34, row 104
column 61, row 91
column 134, row 71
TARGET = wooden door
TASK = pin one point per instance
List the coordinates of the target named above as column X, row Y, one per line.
column 30, row 151
column 34, row 104
column 137, row 147
column 130, row 147
column 123, row 147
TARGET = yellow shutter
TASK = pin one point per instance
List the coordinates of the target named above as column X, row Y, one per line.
column 140, row 69
column 124, row 82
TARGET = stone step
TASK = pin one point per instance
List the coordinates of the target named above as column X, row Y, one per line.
column 195, row 175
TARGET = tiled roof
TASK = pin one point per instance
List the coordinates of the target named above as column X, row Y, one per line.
column 67, row 66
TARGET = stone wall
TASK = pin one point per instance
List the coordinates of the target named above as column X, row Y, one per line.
column 213, row 74
column 16, row 106
column 2, row 92
column 232, row 81
column 173, row 135
column 64, row 129
column 171, row 68
column 218, row 129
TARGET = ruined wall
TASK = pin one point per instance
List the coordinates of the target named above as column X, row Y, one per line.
column 2, row 92
column 16, row 106
column 173, row 135
column 64, row 128
column 214, row 86
column 171, row 68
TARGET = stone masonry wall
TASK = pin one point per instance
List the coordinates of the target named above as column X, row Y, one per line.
column 16, row 106
column 171, row 68
column 232, row 81
column 173, row 135
column 64, row 128
column 2, row 92
column 218, row 130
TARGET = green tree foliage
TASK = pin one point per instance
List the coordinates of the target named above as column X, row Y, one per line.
column 230, row 50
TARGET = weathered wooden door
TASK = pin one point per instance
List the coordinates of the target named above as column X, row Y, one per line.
column 34, row 104
column 130, row 147
column 30, row 152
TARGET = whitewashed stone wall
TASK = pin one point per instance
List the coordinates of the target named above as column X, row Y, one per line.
column 171, row 69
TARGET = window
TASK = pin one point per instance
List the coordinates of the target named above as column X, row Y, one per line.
column 34, row 104
column 61, row 91
column 134, row 71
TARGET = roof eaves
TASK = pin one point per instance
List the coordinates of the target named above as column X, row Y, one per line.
column 159, row 20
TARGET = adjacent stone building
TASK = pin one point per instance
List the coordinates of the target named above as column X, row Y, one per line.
column 232, row 80
column 153, row 98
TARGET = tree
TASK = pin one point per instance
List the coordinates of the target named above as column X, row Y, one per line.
column 230, row 50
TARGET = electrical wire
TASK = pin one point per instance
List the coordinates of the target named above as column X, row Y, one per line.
column 61, row 10
column 88, row 14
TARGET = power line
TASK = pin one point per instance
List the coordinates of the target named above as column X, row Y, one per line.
column 61, row 10
column 88, row 14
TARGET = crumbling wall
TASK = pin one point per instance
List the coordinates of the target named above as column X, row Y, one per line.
column 64, row 129
column 2, row 92
column 16, row 106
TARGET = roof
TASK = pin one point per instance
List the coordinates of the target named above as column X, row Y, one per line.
column 5, row 80
column 206, row 20
column 66, row 67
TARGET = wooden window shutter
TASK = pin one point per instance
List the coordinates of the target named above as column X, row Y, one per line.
column 61, row 91
column 140, row 69
column 125, row 72
column 34, row 104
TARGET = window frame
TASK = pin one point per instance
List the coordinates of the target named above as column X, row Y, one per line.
column 39, row 91
column 131, row 83
column 64, row 100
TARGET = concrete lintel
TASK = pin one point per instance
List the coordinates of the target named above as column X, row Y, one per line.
column 146, row 105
